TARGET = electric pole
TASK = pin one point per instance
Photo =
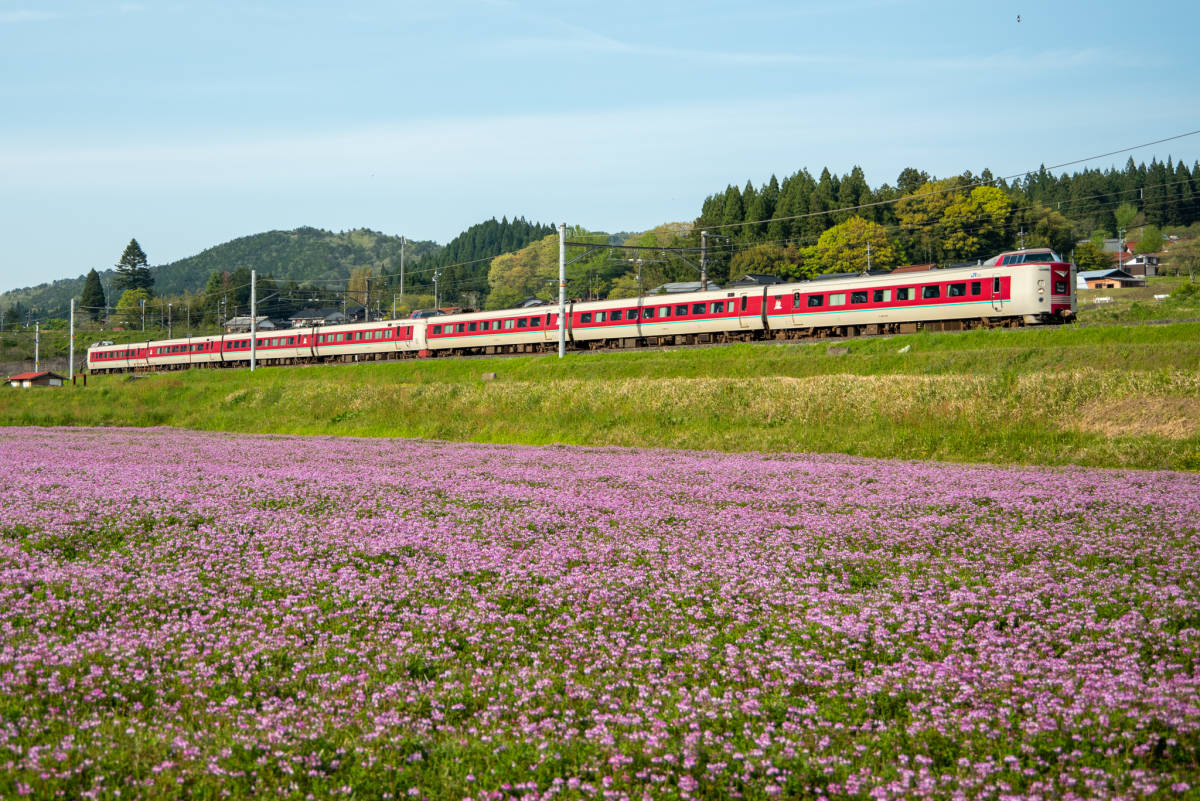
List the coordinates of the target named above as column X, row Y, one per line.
column 71, row 343
column 37, row 347
column 253, row 317
column 401, row 270
column 703, row 260
column 562, row 290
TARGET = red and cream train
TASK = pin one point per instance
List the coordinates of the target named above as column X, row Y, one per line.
column 1027, row 287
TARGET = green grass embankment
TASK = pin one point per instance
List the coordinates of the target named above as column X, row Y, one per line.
column 1110, row 396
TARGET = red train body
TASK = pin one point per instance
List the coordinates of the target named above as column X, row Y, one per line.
column 1030, row 287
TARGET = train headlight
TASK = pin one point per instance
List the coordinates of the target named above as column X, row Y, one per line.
column 1041, row 287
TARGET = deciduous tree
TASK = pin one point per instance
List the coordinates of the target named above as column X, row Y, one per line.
column 843, row 248
column 129, row 307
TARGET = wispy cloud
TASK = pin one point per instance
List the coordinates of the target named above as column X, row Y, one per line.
column 16, row 17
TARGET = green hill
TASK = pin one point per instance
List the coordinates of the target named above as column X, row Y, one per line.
column 304, row 255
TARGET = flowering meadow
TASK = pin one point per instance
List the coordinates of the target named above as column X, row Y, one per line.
column 202, row 615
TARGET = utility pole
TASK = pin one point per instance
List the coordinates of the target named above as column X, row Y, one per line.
column 562, row 290
column 71, row 343
column 169, row 328
column 253, row 317
column 143, row 302
column 868, row 257
column 436, row 275
column 703, row 260
column 37, row 347
column 394, row 296
column 401, row 270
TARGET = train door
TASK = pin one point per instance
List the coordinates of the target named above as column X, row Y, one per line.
column 743, row 311
column 550, row 327
column 994, row 290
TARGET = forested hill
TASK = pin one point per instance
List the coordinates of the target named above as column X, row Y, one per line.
column 462, row 266
column 305, row 254
column 302, row 255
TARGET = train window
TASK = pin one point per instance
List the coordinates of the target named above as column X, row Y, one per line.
column 680, row 311
column 664, row 311
column 522, row 323
column 816, row 300
column 631, row 314
column 549, row 319
column 743, row 302
column 718, row 307
column 881, row 295
column 291, row 340
column 697, row 308
column 837, row 299
column 534, row 322
column 586, row 317
column 996, row 284
column 508, row 323
column 437, row 329
column 904, row 293
column 858, row 297
column 648, row 312
column 956, row 290
column 472, row 326
column 931, row 292
column 795, row 300
column 976, row 287
column 460, row 327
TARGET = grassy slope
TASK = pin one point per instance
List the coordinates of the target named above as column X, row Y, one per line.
column 1106, row 396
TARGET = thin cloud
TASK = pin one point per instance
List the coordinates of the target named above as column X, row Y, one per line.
column 603, row 45
column 17, row 17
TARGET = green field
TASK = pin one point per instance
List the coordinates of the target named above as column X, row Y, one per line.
column 1099, row 396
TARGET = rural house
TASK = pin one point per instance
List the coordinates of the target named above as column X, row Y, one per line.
column 42, row 379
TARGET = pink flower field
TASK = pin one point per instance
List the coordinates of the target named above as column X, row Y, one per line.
column 201, row 615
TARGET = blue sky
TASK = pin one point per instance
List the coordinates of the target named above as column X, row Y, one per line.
column 188, row 124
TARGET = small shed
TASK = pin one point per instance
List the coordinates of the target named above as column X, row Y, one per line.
column 1106, row 279
column 42, row 379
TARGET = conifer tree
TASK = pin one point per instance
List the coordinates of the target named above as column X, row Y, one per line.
column 132, row 269
column 92, row 299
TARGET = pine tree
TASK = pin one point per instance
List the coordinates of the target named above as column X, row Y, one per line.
column 92, row 299
column 132, row 272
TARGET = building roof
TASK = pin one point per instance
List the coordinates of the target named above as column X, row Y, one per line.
column 914, row 268
column 32, row 376
column 1113, row 273
column 317, row 314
